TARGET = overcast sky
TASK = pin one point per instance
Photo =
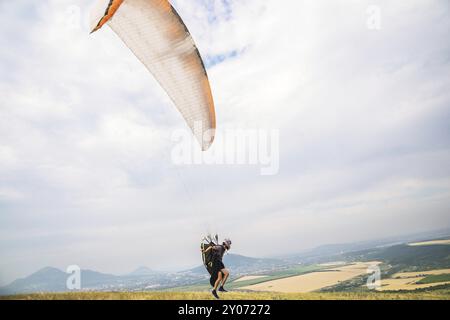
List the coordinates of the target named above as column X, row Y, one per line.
column 362, row 107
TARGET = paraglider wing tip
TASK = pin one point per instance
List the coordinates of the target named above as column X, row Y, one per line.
column 98, row 27
column 102, row 12
column 208, row 138
column 207, row 144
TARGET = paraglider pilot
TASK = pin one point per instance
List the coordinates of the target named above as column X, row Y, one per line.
column 219, row 272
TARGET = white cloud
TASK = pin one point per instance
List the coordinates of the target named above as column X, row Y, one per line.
column 85, row 133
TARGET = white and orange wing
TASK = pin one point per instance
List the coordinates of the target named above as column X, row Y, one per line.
column 156, row 34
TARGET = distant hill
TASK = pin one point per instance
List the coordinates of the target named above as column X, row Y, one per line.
column 405, row 256
column 46, row 279
column 142, row 271
column 50, row 279
column 331, row 252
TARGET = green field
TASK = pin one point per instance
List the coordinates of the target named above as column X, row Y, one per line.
column 423, row 295
column 434, row 278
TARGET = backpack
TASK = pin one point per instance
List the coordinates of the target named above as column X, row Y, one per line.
column 208, row 257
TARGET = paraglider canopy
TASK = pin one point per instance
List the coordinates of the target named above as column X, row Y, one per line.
column 158, row 37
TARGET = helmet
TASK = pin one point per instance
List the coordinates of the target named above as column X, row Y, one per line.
column 227, row 243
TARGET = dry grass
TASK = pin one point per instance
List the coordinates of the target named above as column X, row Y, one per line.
column 246, row 278
column 430, row 295
column 407, row 284
column 420, row 273
column 313, row 281
column 430, row 243
column 408, row 280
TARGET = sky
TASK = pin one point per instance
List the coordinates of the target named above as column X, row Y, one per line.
column 357, row 91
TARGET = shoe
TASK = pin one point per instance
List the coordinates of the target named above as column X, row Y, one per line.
column 214, row 293
column 222, row 289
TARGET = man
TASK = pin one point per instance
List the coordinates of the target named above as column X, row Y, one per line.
column 219, row 274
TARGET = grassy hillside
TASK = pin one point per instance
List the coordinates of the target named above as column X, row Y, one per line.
column 423, row 295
